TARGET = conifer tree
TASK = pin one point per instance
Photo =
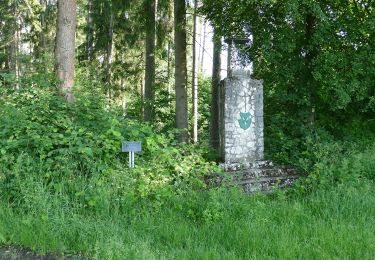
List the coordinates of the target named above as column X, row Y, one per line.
column 65, row 46
column 180, row 68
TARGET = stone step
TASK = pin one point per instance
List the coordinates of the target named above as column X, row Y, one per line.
column 265, row 172
column 260, row 176
column 264, row 179
column 267, row 184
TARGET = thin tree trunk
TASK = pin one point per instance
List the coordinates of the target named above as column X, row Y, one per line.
column 203, row 44
column 90, row 31
column 14, row 56
column 41, row 48
column 65, row 46
column 216, row 67
column 180, row 68
column 6, row 61
column 13, row 47
column 108, row 61
column 150, row 61
column 194, row 78
column 17, row 48
column 169, row 60
column 200, row 43
column 142, row 90
column 169, row 74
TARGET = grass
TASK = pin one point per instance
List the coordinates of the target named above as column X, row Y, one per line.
column 336, row 223
column 101, row 215
column 64, row 188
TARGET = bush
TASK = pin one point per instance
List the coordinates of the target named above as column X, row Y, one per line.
column 338, row 163
column 73, row 151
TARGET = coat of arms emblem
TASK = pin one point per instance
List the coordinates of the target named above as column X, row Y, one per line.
column 245, row 120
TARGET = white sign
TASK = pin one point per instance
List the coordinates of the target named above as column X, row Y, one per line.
column 131, row 148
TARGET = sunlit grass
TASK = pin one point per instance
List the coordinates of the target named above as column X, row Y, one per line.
column 338, row 223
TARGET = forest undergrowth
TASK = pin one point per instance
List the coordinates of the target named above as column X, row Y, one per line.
column 65, row 188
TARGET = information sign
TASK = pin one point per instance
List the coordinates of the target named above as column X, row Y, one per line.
column 132, row 146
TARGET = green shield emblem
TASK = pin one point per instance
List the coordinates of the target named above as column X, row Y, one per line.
column 244, row 121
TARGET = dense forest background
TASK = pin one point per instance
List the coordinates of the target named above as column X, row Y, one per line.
column 78, row 77
column 317, row 60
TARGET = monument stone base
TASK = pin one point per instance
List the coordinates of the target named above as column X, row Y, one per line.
column 259, row 176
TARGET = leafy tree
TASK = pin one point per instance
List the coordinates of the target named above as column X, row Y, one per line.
column 316, row 56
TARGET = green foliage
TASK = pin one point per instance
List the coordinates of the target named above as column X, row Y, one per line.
column 204, row 108
column 164, row 108
column 66, row 187
column 316, row 59
column 333, row 164
column 74, row 150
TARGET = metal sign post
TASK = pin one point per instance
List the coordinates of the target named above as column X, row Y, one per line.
column 131, row 148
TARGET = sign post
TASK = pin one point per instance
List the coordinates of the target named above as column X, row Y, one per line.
column 131, row 148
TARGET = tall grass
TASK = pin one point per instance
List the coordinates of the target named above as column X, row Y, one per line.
column 332, row 218
column 221, row 224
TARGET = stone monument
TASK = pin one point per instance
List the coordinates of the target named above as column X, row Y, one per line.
column 241, row 130
column 241, row 119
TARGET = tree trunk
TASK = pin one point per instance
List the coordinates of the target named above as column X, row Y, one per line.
column 169, row 61
column 14, row 56
column 142, row 91
column 180, row 68
column 65, row 46
column 169, row 50
column 169, row 74
column 150, row 61
column 216, row 67
column 90, row 31
column 203, row 44
column 108, row 60
column 194, row 78
column 13, row 47
column 41, row 48
column 200, row 33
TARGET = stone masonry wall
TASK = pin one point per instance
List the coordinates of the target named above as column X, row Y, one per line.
column 241, row 119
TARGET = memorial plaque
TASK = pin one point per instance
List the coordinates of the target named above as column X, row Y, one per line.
column 133, row 146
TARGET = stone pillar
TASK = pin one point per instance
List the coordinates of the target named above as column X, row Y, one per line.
column 241, row 119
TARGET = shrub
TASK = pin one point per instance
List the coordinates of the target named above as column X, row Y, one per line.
column 73, row 150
